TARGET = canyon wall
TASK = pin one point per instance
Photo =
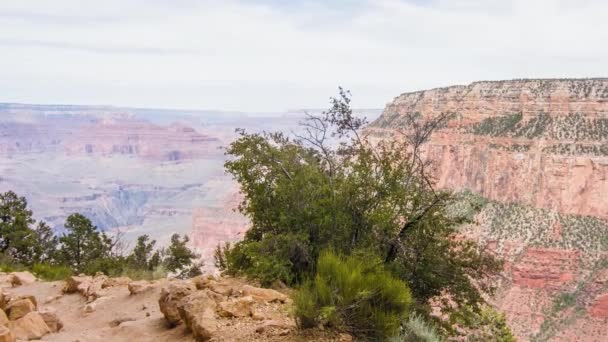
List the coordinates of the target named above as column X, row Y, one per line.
column 540, row 142
column 535, row 153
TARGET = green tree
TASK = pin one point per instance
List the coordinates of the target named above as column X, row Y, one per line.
column 83, row 244
column 180, row 259
column 141, row 257
column 18, row 240
column 45, row 250
column 331, row 188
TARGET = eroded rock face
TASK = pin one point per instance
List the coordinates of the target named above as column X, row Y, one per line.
column 227, row 308
column 539, row 142
column 170, row 299
column 538, row 151
column 198, row 313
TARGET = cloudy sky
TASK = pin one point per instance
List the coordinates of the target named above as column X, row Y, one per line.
column 272, row 55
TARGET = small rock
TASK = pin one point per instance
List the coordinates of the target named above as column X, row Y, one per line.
column 21, row 278
column 236, row 307
column 116, row 322
column 3, row 319
column 19, row 308
column 120, row 281
column 29, row 327
column 78, row 283
column 49, row 315
column 140, row 286
column 6, row 335
column 256, row 316
column 89, row 308
column 345, row 337
column 264, row 295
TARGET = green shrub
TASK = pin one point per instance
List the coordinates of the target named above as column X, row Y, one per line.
column 416, row 329
column 144, row 274
column 355, row 295
column 51, row 272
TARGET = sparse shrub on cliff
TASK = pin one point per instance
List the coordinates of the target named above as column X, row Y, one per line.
column 353, row 295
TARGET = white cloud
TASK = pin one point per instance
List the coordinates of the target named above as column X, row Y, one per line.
column 261, row 55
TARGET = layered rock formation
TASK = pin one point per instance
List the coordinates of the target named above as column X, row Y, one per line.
column 538, row 151
column 539, row 142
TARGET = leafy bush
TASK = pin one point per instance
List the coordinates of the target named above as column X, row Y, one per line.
column 51, row 272
column 281, row 257
column 355, row 295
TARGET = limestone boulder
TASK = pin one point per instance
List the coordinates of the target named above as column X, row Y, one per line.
column 79, row 284
column 52, row 320
column 236, row 307
column 136, row 287
column 198, row 313
column 29, row 327
column 170, row 298
column 3, row 299
column 19, row 308
column 21, row 278
column 3, row 319
column 6, row 335
column 264, row 295
column 120, row 281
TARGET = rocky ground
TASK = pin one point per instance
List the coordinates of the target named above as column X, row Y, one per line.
column 117, row 309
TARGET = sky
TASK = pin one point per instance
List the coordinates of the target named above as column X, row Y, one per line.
column 275, row 55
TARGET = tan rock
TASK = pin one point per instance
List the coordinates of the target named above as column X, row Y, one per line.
column 118, row 321
column 140, row 286
column 21, row 278
column 19, row 308
column 78, row 283
column 202, row 281
column 95, row 289
column 3, row 299
column 345, row 337
column 29, row 327
column 6, row 335
column 120, row 281
column 264, row 295
column 89, row 308
column 30, row 297
column 52, row 320
column 170, row 298
column 198, row 313
column 223, row 288
column 3, row 319
column 236, row 307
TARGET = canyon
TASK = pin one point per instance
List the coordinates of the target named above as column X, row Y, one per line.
column 131, row 171
column 533, row 154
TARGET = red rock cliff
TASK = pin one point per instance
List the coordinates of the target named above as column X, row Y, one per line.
column 539, row 142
